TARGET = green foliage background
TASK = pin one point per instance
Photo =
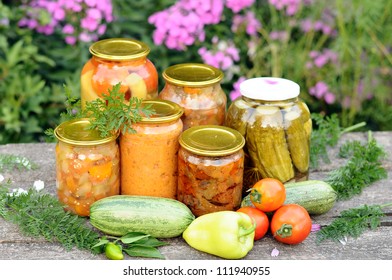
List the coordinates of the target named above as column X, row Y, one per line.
column 34, row 68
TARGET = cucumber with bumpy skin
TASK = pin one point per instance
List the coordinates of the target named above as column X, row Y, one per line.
column 157, row 216
column 317, row 197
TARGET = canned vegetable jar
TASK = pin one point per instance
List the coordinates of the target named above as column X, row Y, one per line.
column 87, row 166
column 210, row 169
column 119, row 60
column 196, row 87
column 277, row 127
column 149, row 156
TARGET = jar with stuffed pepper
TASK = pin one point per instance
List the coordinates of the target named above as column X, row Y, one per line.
column 87, row 165
column 196, row 87
column 119, row 60
column 277, row 127
column 210, row 169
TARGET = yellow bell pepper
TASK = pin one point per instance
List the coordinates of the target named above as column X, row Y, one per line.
column 226, row 234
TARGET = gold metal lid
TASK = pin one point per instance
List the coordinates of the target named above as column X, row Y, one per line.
column 164, row 111
column 119, row 49
column 76, row 132
column 212, row 140
column 192, row 74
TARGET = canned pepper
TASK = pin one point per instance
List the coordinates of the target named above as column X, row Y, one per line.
column 226, row 234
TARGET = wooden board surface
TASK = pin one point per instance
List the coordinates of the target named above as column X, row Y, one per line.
column 373, row 244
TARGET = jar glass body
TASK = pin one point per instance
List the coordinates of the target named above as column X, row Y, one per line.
column 86, row 174
column 277, row 137
column 209, row 184
column 149, row 159
column 204, row 105
column 138, row 78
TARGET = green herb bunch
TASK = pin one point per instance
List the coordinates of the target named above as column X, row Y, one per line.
column 109, row 114
column 113, row 113
column 363, row 168
column 39, row 214
column 326, row 135
column 353, row 222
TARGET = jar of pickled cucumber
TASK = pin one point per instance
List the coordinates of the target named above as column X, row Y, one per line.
column 196, row 88
column 119, row 60
column 87, row 166
column 210, row 169
column 149, row 156
column 277, row 126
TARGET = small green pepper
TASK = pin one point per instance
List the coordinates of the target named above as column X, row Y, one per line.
column 226, row 234
column 113, row 251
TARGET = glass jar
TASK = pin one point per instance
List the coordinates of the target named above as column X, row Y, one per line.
column 87, row 166
column 149, row 156
column 210, row 169
column 276, row 125
column 119, row 60
column 196, row 88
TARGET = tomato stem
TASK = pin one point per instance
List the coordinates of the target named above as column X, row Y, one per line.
column 284, row 231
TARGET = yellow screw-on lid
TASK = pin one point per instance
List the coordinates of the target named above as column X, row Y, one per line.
column 212, row 140
column 119, row 49
column 164, row 111
column 76, row 132
column 192, row 75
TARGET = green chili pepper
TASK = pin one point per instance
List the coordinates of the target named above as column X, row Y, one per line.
column 113, row 251
column 227, row 234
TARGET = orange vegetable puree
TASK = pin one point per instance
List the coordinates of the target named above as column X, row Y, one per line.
column 149, row 159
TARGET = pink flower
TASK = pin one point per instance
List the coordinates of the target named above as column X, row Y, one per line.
column 238, row 5
column 329, row 98
column 68, row 29
column 235, row 93
column 249, row 20
column 183, row 23
column 275, row 252
column 222, row 56
column 315, row 227
column 70, row 40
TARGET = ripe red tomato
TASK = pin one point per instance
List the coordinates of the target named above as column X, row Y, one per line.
column 260, row 218
column 268, row 194
column 291, row 224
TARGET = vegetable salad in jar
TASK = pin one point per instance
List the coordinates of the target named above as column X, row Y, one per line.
column 87, row 166
column 196, row 88
column 121, row 61
column 210, row 169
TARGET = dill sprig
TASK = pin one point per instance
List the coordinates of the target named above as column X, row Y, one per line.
column 39, row 214
column 362, row 169
column 13, row 161
column 109, row 114
column 352, row 222
column 113, row 113
column 326, row 135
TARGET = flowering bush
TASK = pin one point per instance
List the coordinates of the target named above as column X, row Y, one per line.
column 83, row 20
column 336, row 50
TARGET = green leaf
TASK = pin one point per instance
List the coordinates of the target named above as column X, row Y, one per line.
column 150, row 242
column 133, row 237
column 143, row 251
column 101, row 242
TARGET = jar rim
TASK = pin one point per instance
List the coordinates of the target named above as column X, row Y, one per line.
column 192, row 74
column 211, row 140
column 164, row 111
column 119, row 49
column 76, row 132
column 269, row 89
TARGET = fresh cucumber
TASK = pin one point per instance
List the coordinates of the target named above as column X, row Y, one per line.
column 317, row 197
column 157, row 216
